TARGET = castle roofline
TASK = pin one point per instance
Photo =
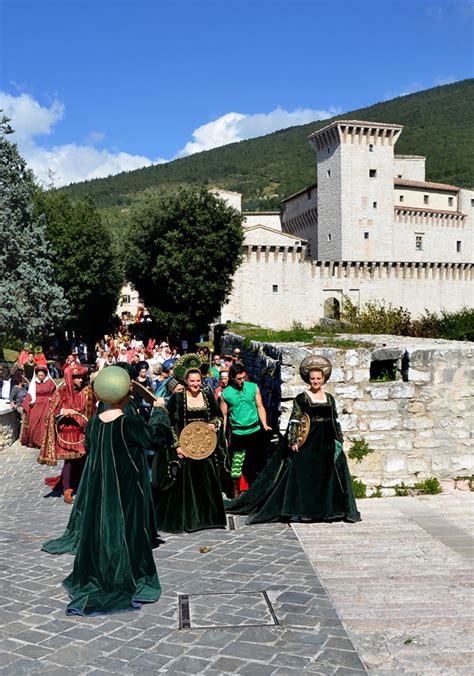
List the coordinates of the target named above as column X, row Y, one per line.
column 429, row 212
column 260, row 226
column 356, row 123
column 426, row 184
column 300, row 192
column 260, row 213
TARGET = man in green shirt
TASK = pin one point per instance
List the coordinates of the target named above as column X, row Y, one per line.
column 243, row 411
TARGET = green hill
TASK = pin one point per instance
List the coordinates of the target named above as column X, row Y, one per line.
column 439, row 123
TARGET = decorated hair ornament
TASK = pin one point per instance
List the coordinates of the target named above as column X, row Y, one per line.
column 38, row 349
column 188, row 362
column 315, row 361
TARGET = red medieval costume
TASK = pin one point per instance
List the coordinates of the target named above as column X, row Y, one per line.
column 36, row 405
column 64, row 437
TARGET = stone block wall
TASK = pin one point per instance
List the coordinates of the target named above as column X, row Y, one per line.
column 417, row 429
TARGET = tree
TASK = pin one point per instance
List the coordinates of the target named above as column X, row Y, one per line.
column 182, row 251
column 31, row 301
column 85, row 260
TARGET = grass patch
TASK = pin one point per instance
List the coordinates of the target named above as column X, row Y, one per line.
column 297, row 334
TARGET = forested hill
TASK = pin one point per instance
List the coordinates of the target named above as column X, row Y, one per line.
column 439, row 123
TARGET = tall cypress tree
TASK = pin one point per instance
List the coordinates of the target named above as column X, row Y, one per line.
column 31, row 302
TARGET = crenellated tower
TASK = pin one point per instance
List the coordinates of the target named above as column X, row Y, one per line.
column 355, row 190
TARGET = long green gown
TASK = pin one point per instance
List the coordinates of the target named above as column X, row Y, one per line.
column 313, row 483
column 111, row 529
column 187, row 492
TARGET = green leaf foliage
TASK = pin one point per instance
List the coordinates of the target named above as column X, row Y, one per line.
column 181, row 253
column 438, row 123
column 31, row 301
column 85, row 260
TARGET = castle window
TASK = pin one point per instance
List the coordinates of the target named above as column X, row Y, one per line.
column 419, row 243
column 458, row 246
column 472, row 203
column 125, row 300
column 328, row 173
column 308, row 195
column 372, row 173
column 329, row 236
column 371, row 148
column 329, row 151
column 366, row 235
column 401, row 198
column 450, row 201
column 426, row 199
column 399, row 176
column 275, row 288
column 374, row 204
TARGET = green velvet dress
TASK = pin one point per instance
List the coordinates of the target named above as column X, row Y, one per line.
column 314, row 483
column 187, row 492
column 111, row 529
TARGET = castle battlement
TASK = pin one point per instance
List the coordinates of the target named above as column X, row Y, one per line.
column 355, row 132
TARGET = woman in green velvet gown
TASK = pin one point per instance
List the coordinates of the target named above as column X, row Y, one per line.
column 304, row 481
column 187, row 492
column 111, row 529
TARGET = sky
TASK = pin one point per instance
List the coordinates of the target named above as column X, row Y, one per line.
column 95, row 87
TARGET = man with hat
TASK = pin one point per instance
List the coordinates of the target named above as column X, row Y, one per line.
column 71, row 407
column 111, row 529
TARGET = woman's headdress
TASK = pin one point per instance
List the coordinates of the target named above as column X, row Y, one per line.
column 186, row 363
column 315, row 361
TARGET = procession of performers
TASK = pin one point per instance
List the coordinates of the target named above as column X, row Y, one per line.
column 169, row 444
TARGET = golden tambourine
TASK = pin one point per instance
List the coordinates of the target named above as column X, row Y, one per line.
column 304, row 429
column 197, row 441
column 56, row 427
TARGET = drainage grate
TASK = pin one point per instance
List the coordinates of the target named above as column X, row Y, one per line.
column 226, row 610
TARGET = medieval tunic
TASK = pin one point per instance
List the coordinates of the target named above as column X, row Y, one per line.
column 35, row 406
column 64, row 438
column 187, row 492
column 111, row 529
column 313, row 483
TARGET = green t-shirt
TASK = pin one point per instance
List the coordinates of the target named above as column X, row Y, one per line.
column 243, row 414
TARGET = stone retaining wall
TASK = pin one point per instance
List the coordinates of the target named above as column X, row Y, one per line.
column 417, row 429
column 9, row 428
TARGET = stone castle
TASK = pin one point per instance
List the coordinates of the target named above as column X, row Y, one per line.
column 372, row 228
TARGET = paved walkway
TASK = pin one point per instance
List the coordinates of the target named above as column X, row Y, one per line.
column 258, row 602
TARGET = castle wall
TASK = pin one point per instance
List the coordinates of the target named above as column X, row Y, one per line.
column 269, row 219
column 416, row 429
column 330, row 203
column 300, row 217
column 410, row 167
column 426, row 198
column 276, row 286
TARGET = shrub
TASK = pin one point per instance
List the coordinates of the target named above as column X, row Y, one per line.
column 359, row 488
column 359, row 449
column 429, row 486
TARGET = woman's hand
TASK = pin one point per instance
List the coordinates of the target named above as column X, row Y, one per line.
column 180, row 453
column 159, row 403
column 212, row 427
column 294, row 447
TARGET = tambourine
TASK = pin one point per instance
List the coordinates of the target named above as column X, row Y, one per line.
column 197, row 441
column 305, row 424
column 56, row 425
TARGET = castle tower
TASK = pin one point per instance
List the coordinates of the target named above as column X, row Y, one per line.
column 355, row 190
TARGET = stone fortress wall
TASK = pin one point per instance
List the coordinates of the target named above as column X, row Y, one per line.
column 417, row 429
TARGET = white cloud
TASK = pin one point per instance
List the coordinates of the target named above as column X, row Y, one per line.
column 233, row 127
column 403, row 90
column 449, row 79
column 70, row 162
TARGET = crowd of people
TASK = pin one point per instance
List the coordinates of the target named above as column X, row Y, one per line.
column 154, row 441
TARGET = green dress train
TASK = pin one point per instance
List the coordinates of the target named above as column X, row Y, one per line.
column 111, row 529
column 187, row 492
column 314, row 483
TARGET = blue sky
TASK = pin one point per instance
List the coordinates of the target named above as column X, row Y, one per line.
column 98, row 86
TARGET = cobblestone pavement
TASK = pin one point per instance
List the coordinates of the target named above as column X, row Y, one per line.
column 402, row 581
column 252, row 605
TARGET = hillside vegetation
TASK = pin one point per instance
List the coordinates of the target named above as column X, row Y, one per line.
column 439, row 123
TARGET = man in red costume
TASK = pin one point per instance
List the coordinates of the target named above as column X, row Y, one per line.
column 71, row 407
column 36, row 405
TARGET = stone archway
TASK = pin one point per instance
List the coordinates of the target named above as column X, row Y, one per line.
column 332, row 308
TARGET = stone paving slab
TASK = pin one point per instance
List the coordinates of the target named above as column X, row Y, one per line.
column 37, row 637
column 402, row 581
